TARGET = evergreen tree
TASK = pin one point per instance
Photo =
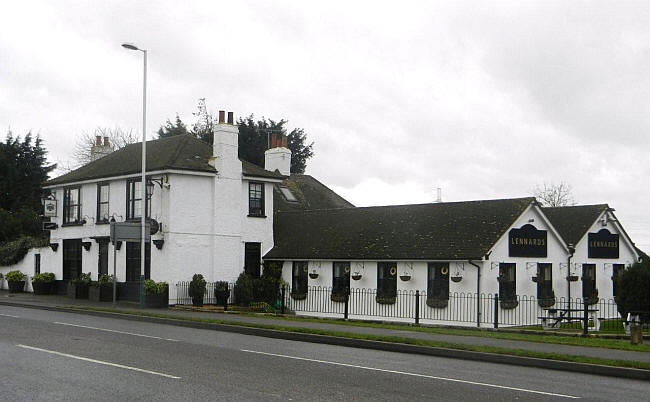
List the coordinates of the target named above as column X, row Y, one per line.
column 23, row 170
column 170, row 129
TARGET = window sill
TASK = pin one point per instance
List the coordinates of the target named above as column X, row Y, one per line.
column 72, row 224
column 256, row 216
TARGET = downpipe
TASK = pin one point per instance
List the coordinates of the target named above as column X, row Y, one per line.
column 478, row 294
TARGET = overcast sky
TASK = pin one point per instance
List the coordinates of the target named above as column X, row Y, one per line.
column 485, row 100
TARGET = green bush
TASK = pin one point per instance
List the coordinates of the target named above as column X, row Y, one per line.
column 633, row 288
column 103, row 280
column 13, row 252
column 82, row 279
column 45, row 277
column 152, row 287
column 244, row 289
column 197, row 286
column 15, row 276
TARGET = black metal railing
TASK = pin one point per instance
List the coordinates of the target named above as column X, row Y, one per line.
column 467, row 309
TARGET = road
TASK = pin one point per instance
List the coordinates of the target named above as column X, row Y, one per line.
column 47, row 355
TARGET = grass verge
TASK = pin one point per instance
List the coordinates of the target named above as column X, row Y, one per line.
column 384, row 338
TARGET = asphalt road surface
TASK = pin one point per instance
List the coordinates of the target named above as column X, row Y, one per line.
column 48, row 356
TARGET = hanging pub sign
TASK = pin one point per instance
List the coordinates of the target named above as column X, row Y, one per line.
column 49, row 208
column 603, row 244
column 527, row 242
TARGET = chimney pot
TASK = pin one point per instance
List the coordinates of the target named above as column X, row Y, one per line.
column 106, row 142
column 284, row 141
column 230, row 118
column 98, row 140
column 222, row 116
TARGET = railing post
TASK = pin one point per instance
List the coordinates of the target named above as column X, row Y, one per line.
column 225, row 305
column 347, row 301
column 417, row 306
column 585, row 317
column 282, row 302
column 496, row 310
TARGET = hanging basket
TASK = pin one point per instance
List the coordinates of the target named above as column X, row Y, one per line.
column 405, row 278
column 534, row 278
column 356, row 276
column 456, row 278
column 313, row 275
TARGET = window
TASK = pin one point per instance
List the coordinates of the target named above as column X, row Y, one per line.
column 545, row 294
column 37, row 264
column 102, row 262
column 299, row 279
column 252, row 258
column 386, row 282
column 438, row 281
column 102, row 202
column 134, row 200
column 133, row 258
column 507, row 284
column 617, row 268
column 288, row 195
column 589, row 291
column 340, row 281
column 71, row 205
column 255, row 199
column 71, row 259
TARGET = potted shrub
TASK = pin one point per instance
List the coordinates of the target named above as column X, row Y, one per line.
column 197, row 290
column 42, row 283
column 156, row 294
column 78, row 287
column 102, row 289
column 221, row 293
column 16, row 281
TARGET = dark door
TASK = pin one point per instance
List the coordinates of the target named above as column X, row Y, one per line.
column 71, row 259
column 252, row 259
column 102, row 264
column 133, row 261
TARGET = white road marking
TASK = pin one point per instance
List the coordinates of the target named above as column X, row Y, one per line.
column 9, row 315
column 99, row 362
column 116, row 331
column 415, row 374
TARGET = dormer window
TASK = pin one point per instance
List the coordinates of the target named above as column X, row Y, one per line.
column 71, row 205
column 256, row 199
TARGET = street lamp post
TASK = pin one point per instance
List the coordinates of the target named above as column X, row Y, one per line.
column 143, row 191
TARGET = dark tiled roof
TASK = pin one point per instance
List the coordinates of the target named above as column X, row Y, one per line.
column 309, row 193
column 180, row 152
column 252, row 170
column 573, row 222
column 445, row 231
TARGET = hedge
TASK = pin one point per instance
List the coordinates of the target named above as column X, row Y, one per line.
column 13, row 252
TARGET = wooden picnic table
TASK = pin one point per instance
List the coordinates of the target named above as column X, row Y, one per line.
column 552, row 320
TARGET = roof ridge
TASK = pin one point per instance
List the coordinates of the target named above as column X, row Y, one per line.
column 411, row 205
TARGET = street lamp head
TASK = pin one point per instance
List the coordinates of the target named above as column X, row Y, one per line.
column 130, row 46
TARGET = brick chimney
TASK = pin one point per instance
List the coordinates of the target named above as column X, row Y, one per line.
column 100, row 149
column 278, row 156
column 225, row 147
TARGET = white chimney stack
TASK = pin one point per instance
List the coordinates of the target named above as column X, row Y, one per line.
column 278, row 156
column 225, row 147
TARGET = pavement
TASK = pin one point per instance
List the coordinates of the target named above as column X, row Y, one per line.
column 61, row 302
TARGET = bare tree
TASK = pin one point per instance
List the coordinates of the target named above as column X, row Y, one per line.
column 554, row 195
column 118, row 138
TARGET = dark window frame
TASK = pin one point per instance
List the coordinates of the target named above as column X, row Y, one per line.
column 340, row 278
column 67, row 207
column 507, row 281
column 299, row 277
column 589, row 289
column 72, row 259
column 102, row 257
column 101, row 218
column 133, row 258
column 130, row 202
column 386, row 279
column 37, row 264
column 545, row 281
column 256, row 193
column 438, row 280
column 616, row 269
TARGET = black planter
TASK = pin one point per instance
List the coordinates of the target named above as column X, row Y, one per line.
column 42, row 288
column 100, row 293
column 157, row 300
column 197, row 301
column 16, row 287
column 77, row 291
